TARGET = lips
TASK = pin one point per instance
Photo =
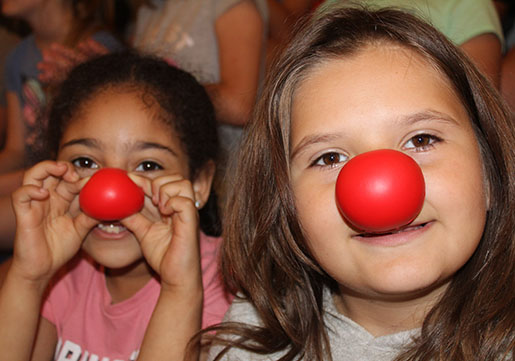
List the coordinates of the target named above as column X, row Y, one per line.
column 404, row 229
column 394, row 238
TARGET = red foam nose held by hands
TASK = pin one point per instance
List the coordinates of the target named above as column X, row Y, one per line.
column 110, row 195
column 380, row 191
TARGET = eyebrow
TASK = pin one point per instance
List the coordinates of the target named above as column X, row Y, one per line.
column 427, row 115
column 310, row 140
column 88, row 142
column 409, row 119
column 93, row 143
column 153, row 145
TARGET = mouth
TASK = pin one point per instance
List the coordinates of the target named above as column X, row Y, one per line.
column 112, row 228
column 395, row 231
column 394, row 237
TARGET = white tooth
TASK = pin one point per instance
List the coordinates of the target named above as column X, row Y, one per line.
column 111, row 228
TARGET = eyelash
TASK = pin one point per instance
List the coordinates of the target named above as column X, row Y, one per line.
column 431, row 140
column 87, row 163
column 145, row 164
column 328, row 156
column 423, row 138
column 84, row 162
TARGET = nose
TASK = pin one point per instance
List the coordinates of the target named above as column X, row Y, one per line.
column 110, row 195
column 380, row 191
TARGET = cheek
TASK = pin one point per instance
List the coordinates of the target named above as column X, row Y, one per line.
column 317, row 210
column 456, row 194
column 458, row 183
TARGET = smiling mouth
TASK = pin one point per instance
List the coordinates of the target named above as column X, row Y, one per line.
column 396, row 231
column 113, row 228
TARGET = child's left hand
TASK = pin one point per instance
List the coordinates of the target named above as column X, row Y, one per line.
column 168, row 230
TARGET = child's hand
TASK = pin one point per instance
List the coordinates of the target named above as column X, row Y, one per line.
column 58, row 59
column 47, row 235
column 168, row 229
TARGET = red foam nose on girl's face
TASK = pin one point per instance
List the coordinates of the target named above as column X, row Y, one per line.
column 380, row 191
column 110, row 195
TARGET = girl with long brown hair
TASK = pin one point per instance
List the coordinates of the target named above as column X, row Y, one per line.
column 311, row 286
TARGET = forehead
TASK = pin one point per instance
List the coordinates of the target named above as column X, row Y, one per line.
column 119, row 111
column 377, row 81
column 133, row 93
column 375, row 59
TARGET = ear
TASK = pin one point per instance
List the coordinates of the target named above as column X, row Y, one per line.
column 203, row 182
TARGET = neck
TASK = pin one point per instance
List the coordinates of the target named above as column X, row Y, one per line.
column 125, row 282
column 48, row 31
column 381, row 316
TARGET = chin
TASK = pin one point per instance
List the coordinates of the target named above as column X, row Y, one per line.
column 408, row 288
column 113, row 254
column 117, row 262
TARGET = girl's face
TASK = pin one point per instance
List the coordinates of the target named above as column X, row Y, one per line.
column 115, row 129
column 387, row 97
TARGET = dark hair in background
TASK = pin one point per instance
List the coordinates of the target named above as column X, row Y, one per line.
column 91, row 16
column 183, row 105
column 474, row 318
column 15, row 26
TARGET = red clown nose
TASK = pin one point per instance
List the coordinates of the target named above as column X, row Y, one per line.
column 380, row 191
column 111, row 195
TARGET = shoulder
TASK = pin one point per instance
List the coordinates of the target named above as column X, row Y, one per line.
column 258, row 6
column 216, row 297
column 108, row 40
column 73, row 278
column 222, row 6
column 72, row 282
column 79, row 270
column 468, row 19
column 26, row 47
column 209, row 242
column 21, row 63
column 459, row 20
column 209, row 247
column 242, row 311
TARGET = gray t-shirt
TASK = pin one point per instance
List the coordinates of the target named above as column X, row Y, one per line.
column 184, row 32
column 349, row 341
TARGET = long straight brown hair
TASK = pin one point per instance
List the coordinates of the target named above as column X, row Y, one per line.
column 264, row 256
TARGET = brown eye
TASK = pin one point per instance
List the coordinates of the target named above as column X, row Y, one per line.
column 83, row 162
column 148, row 166
column 329, row 159
column 422, row 141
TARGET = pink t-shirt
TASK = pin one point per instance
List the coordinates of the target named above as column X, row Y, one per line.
column 90, row 328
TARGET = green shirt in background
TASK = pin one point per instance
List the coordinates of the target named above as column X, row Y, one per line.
column 459, row 20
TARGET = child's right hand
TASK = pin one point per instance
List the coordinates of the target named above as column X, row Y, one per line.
column 48, row 234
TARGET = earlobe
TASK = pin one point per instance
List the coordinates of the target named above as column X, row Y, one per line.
column 202, row 183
